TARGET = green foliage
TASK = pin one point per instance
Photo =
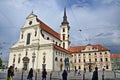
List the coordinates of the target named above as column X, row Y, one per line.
column 0, row 62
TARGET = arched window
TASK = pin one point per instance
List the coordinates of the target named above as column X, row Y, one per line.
column 63, row 45
column 21, row 36
column 63, row 29
column 19, row 60
column 56, row 59
column 28, row 38
column 35, row 33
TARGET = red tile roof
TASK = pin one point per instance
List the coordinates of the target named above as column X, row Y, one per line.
column 80, row 48
column 48, row 29
column 61, row 49
column 114, row 55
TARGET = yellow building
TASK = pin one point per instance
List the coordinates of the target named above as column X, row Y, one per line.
column 90, row 56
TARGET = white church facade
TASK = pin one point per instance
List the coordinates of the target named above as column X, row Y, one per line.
column 39, row 47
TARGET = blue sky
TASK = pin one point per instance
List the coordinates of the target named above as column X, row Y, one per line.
column 99, row 20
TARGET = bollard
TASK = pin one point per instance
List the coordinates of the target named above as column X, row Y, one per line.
column 22, row 76
column 84, row 76
column 35, row 75
column 115, row 74
column 102, row 77
column 51, row 76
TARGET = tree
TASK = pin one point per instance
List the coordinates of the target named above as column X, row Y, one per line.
column 0, row 62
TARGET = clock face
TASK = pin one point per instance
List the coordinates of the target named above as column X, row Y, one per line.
column 30, row 22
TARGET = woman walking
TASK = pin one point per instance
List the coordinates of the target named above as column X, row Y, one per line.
column 30, row 75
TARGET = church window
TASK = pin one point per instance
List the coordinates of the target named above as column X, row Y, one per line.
column 63, row 36
column 28, row 38
column 21, row 36
column 56, row 43
column 14, row 60
column 79, row 60
column 26, row 53
column 47, row 38
column 100, row 53
column 84, row 60
column 63, row 29
column 19, row 60
column 63, row 45
column 35, row 33
column 101, row 59
column 30, row 22
column 56, row 59
column 61, row 60
column 75, row 60
column 90, row 60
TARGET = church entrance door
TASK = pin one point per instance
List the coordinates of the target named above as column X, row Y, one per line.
column 25, row 63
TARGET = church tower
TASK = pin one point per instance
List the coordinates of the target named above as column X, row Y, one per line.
column 65, row 40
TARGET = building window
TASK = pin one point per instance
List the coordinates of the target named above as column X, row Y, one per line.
column 83, row 54
column 90, row 60
column 79, row 67
column 95, row 53
column 63, row 45
column 28, row 38
column 105, row 52
column 63, row 29
column 95, row 59
column 84, row 60
column 14, row 60
column 19, row 60
column 47, row 38
column 21, row 36
column 30, row 22
column 100, row 53
column 56, row 43
column 89, row 54
column 61, row 60
column 63, row 36
column 79, row 60
column 101, row 59
column 106, row 59
column 79, row 54
column 107, row 67
column 35, row 33
column 56, row 59
column 75, row 60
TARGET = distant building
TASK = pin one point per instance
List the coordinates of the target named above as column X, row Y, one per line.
column 90, row 56
column 39, row 47
column 115, row 59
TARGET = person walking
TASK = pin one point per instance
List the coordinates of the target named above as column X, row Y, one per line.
column 10, row 73
column 95, row 74
column 30, row 74
column 79, row 72
column 64, row 75
column 44, row 73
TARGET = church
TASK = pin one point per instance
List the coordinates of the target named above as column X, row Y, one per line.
column 40, row 47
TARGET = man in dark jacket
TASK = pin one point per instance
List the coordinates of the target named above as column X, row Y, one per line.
column 95, row 74
column 64, row 75
column 44, row 73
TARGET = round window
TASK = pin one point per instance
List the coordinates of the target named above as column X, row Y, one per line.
column 30, row 22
